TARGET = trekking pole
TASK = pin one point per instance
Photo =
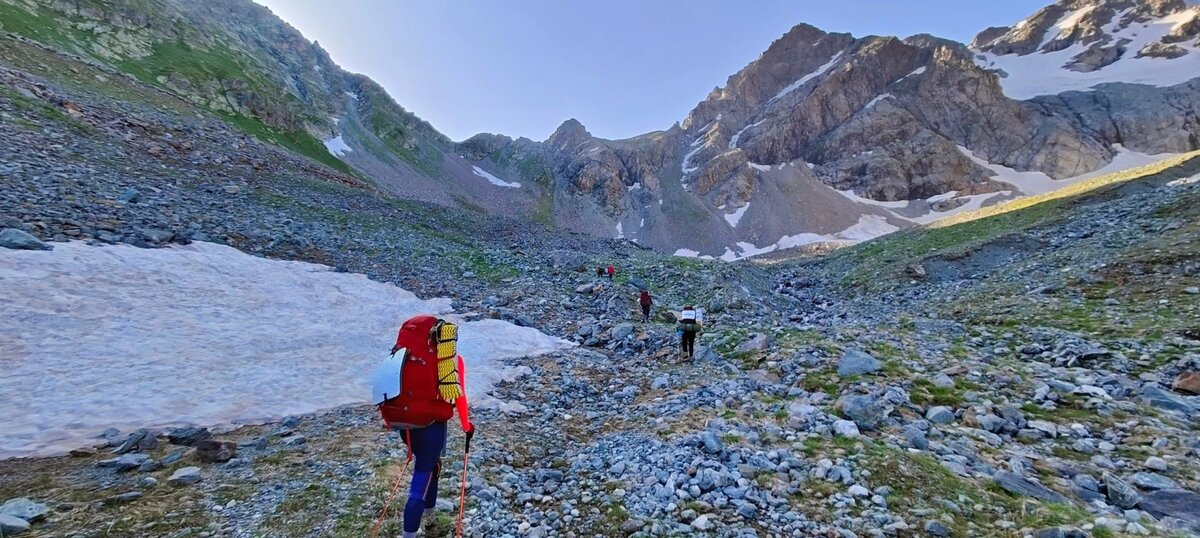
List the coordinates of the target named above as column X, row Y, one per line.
column 462, row 495
column 395, row 489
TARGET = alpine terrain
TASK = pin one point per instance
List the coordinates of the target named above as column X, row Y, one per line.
column 945, row 289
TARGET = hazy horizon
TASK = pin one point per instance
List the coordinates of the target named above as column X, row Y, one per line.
column 622, row 68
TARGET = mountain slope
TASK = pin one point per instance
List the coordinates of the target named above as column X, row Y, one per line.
column 239, row 61
column 905, row 130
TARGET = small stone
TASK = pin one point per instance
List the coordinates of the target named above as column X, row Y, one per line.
column 185, row 476
column 130, row 196
column 712, row 445
column 20, row 240
column 1156, row 463
column 858, row 491
column 187, row 436
column 1021, row 486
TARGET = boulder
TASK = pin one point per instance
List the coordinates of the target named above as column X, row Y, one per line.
column 621, row 331
column 757, row 342
column 845, row 428
column 12, row 525
column 127, row 462
column 1165, row 400
column 711, row 444
column 1018, row 485
column 940, row 415
column 1153, row 481
column 25, row 509
column 213, row 451
column 187, row 436
column 20, row 240
column 1187, row 382
column 1119, row 492
column 864, row 410
column 857, row 362
column 1177, row 503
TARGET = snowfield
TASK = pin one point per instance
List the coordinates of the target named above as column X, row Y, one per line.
column 337, row 146
column 117, row 336
column 495, row 180
column 1041, row 73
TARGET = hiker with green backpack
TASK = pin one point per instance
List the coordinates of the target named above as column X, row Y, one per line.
column 689, row 326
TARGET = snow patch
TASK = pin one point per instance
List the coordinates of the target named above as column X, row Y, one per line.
column 1031, row 183
column 916, row 73
column 620, row 231
column 804, row 80
column 876, row 101
column 760, row 167
column 204, row 335
column 734, row 218
column 733, row 142
column 495, row 180
column 337, row 146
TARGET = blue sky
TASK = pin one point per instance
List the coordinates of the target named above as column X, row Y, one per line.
column 622, row 67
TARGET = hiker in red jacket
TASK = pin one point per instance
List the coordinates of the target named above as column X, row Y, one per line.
column 433, row 383
column 611, row 271
column 645, row 300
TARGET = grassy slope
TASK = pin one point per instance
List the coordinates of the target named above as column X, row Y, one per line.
column 174, row 57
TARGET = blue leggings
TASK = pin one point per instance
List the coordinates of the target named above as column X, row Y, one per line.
column 427, row 445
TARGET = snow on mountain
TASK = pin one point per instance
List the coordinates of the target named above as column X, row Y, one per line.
column 337, row 146
column 1073, row 56
column 495, row 180
column 132, row 338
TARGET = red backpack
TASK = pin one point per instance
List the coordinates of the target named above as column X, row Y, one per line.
column 420, row 403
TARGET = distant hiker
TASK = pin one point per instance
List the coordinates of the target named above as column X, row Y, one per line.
column 688, row 327
column 645, row 301
column 433, row 377
column 611, row 271
column 600, row 272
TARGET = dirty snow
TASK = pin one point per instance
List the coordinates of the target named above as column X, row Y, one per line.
column 337, row 146
column 760, row 167
column 1039, row 73
column 117, row 336
column 733, row 141
column 734, row 218
column 877, row 99
column 620, row 231
column 494, row 180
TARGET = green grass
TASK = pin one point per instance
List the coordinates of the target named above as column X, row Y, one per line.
column 298, row 141
column 300, row 511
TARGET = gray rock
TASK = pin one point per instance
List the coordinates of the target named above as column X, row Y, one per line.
column 1177, row 503
column 1165, row 400
column 622, row 331
column 857, row 362
column 864, row 410
column 187, row 436
column 130, row 196
column 757, row 342
column 941, row 380
column 185, row 476
column 12, row 525
column 940, row 415
column 25, row 509
column 1156, row 463
column 934, row 527
column 660, row 382
column 845, row 428
column 20, row 240
column 126, row 462
column 1021, row 486
column 1153, row 481
column 712, row 445
column 1119, row 492
column 916, row 437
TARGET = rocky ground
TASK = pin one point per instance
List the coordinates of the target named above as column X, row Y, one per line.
column 1027, row 374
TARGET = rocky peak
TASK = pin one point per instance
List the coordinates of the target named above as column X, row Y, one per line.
column 570, row 134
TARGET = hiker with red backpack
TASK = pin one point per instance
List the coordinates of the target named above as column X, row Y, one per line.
column 612, row 271
column 645, row 301
column 417, row 395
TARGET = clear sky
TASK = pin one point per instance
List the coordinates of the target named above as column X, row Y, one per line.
column 622, row 67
